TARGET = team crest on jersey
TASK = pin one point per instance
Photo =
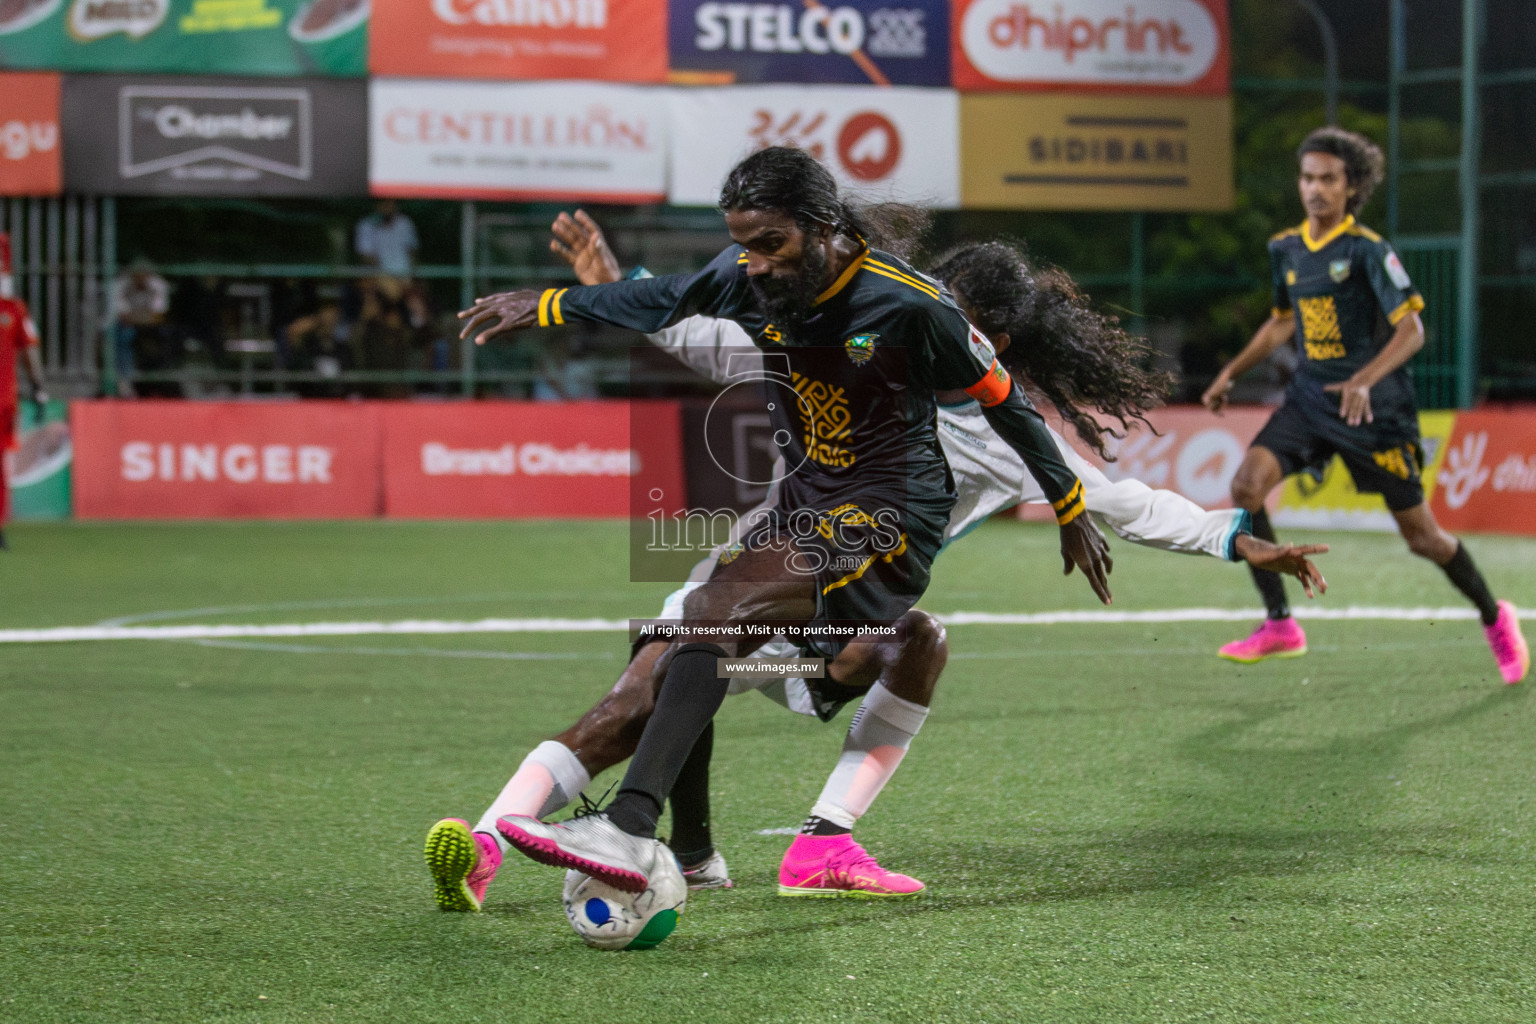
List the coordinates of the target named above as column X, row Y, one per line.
column 1339, row 271
column 861, row 348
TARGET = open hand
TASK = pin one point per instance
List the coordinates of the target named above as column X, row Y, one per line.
column 497, row 314
column 1084, row 546
column 1285, row 559
column 580, row 242
column 1354, row 401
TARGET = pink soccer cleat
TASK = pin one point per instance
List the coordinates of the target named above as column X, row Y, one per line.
column 1276, row 638
column 1508, row 644
column 832, row 866
column 462, row 864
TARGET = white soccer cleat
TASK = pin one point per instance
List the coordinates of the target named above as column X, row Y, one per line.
column 711, row 874
column 592, row 845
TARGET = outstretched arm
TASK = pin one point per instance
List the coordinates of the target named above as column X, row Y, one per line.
column 1082, row 545
column 714, row 348
column 644, row 305
column 1276, row 331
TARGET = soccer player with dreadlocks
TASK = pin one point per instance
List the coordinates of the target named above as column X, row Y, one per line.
column 1342, row 295
column 1075, row 356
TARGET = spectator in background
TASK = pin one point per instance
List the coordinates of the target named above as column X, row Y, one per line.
column 382, row 336
column 565, row 372
column 387, row 240
column 141, row 298
column 320, row 344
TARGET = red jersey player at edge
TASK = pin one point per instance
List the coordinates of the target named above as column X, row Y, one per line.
column 18, row 337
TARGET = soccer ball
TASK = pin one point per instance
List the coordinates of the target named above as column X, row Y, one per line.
column 609, row 918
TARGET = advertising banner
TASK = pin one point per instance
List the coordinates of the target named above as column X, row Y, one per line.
column 870, row 42
column 1487, row 478
column 215, row 137
column 528, row 459
column 1332, row 503
column 230, row 37
column 1193, row 453
column 30, row 162
column 39, row 467
column 1152, row 45
column 611, row 40
column 1074, row 152
column 518, row 140
column 892, row 143
column 210, row 460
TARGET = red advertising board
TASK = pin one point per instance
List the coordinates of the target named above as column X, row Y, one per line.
column 1487, row 480
column 182, row 460
column 30, row 156
column 1193, row 453
column 530, row 459
column 615, row 40
column 1161, row 46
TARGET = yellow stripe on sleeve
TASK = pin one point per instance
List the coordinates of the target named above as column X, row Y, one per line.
column 1413, row 305
column 1066, row 516
column 554, row 307
column 886, row 270
column 1075, row 494
column 549, row 293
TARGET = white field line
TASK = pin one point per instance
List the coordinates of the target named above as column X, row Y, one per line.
column 438, row 627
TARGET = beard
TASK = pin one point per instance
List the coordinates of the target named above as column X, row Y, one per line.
column 790, row 300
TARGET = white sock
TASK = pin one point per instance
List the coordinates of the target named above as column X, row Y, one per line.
column 877, row 740
column 549, row 778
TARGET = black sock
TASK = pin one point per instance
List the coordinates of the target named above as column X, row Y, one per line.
column 688, row 700
column 816, row 826
column 1469, row 581
column 1271, row 586
column 689, row 798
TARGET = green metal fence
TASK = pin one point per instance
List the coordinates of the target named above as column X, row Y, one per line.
column 1433, row 262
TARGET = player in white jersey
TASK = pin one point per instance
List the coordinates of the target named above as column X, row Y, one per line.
column 989, row 477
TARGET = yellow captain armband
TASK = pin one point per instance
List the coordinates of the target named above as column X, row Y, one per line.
column 1070, row 507
column 549, row 307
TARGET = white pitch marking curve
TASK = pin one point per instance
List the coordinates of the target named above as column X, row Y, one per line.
column 439, row 627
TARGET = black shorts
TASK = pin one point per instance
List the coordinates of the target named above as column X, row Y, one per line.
column 1383, row 457
column 870, row 558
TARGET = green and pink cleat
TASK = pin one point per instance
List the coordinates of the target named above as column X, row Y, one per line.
column 836, row 866
column 462, row 864
column 1276, row 638
column 1283, row 638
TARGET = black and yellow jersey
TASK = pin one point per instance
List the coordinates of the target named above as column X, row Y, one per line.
column 1346, row 291
column 863, row 370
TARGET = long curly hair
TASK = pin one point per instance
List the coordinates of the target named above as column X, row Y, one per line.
column 1075, row 357
column 1364, row 166
column 789, row 180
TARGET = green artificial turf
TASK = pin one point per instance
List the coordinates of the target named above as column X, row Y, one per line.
column 1114, row 825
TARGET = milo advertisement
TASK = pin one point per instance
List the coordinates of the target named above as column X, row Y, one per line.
column 40, row 465
column 231, row 37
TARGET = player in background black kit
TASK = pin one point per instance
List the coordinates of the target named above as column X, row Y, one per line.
column 867, row 341
column 1342, row 294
